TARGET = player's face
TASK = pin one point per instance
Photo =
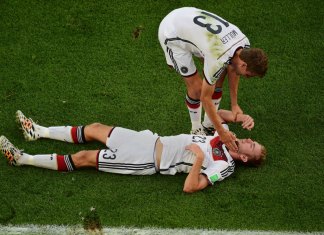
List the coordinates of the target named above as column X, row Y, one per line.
column 241, row 69
column 248, row 74
column 245, row 73
column 250, row 148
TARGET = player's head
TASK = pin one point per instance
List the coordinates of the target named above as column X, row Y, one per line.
column 256, row 62
column 251, row 152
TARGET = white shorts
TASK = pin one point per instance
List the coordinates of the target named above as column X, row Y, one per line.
column 129, row 152
column 175, row 51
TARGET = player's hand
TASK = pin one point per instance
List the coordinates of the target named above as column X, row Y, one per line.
column 195, row 149
column 236, row 109
column 247, row 121
column 228, row 138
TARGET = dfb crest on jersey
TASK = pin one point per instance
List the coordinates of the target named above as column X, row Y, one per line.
column 217, row 152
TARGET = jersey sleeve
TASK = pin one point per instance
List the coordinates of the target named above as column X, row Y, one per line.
column 213, row 71
column 216, row 172
column 214, row 66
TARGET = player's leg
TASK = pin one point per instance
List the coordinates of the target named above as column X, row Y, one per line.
column 97, row 132
column 71, row 134
column 183, row 63
column 193, row 85
column 54, row 161
column 33, row 131
column 85, row 158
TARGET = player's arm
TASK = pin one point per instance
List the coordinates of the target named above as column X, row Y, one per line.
column 195, row 181
column 228, row 116
column 233, row 82
column 226, row 137
column 207, row 91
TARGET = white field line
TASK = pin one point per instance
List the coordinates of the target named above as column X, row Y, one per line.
column 71, row 230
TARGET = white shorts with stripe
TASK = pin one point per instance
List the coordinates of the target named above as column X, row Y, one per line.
column 177, row 52
column 129, row 152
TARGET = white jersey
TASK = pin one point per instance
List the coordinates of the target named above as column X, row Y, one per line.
column 218, row 163
column 190, row 31
column 133, row 152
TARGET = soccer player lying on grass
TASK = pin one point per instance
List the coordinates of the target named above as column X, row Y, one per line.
column 205, row 158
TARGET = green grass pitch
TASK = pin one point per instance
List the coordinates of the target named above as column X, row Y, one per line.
column 78, row 62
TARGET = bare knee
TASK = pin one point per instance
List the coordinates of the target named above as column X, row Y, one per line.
column 194, row 91
column 193, row 84
column 85, row 158
column 97, row 131
column 94, row 126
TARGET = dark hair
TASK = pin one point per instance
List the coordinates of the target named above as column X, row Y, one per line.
column 256, row 60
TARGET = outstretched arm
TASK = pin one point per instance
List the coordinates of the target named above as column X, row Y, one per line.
column 206, row 98
column 228, row 116
column 233, row 81
column 195, row 181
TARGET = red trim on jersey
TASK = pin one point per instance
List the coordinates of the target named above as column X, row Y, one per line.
column 217, row 95
column 74, row 134
column 61, row 165
column 218, row 145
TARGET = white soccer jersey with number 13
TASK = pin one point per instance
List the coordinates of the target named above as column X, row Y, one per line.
column 205, row 35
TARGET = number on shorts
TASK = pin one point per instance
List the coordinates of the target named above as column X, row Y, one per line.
column 110, row 154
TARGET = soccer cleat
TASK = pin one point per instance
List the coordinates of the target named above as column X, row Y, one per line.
column 198, row 131
column 28, row 126
column 10, row 151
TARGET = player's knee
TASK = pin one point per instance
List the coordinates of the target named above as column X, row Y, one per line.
column 84, row 158
column 95, row 126
column 194, row 88
column 194, row 93
column 91, row 130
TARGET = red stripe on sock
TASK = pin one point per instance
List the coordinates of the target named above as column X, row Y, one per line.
column 193, row 106
column 61, row 165
column 217, row 95
column 74, row 134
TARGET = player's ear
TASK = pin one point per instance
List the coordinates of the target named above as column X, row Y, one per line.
column 244, row 158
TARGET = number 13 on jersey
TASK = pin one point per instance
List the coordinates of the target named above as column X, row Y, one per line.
column 203, row 20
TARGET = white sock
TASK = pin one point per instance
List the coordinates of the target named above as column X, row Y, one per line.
column 70, row 134
column 41, row 131
column 62, row 133
column 47, row 161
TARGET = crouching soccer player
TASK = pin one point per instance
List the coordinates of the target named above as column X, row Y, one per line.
column 205, row 158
